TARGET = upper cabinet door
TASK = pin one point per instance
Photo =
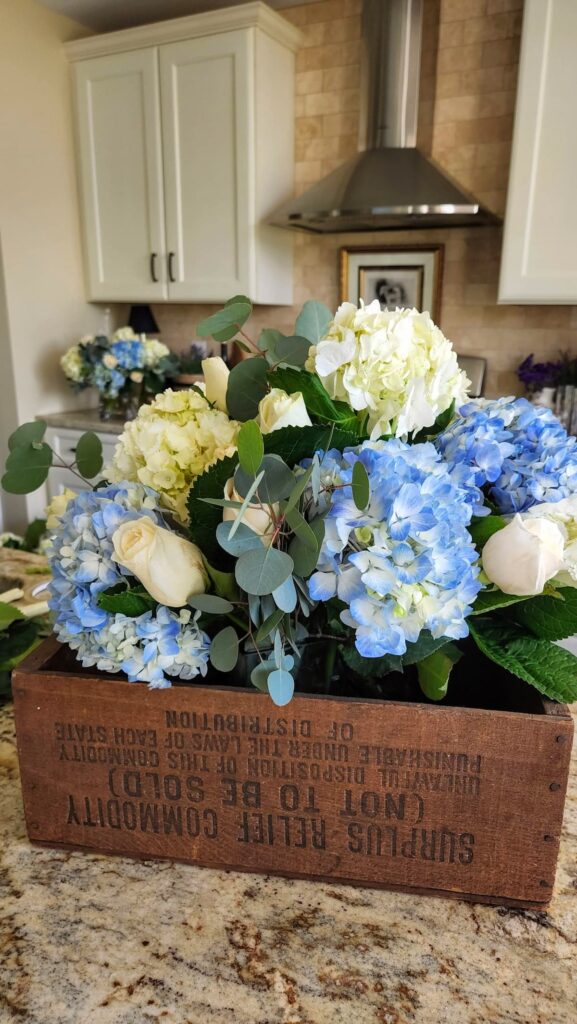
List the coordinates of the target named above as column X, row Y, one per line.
column 207, row 124
column 539, row 263
column 119, row 139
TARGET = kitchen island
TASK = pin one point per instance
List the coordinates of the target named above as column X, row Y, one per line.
column 86, row 939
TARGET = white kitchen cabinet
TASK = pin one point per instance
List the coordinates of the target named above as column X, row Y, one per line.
column 120, row 162
column 539, row 260
column 185, row 139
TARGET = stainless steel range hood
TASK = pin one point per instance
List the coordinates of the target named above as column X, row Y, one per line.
column 390, row 183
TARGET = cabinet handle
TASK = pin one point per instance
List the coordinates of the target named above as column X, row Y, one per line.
column 153, row 267
column 171, row 276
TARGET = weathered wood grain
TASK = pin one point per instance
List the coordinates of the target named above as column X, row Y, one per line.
column 454, row 801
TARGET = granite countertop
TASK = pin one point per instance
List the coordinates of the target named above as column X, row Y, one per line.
column 83, row 419
column 86, row 939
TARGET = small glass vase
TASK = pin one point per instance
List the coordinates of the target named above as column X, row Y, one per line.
column 108, row 407
column 131, row 398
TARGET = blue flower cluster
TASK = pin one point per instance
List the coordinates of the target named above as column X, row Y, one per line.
column 407, row 562
column 147, row 647
column 128, row 353
column 519, row 452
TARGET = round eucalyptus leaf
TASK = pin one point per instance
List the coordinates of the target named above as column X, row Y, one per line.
column 293, row 350
column 243, row 539
column 27, row 468
column 210, row 603
column 361, row 486
column 224, row 650
column 247, row 384
column 225, row 323
column 277, row 483
column 285, row 596
column 262, row 570
column 313, row 320
column 89, row 455
column 260, row 674
column 25, row 435
column 281, row 686
column 269, row 624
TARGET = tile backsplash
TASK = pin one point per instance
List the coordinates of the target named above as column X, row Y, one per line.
column 467, row 121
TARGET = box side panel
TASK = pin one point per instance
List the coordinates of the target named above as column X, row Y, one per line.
column 445, row 799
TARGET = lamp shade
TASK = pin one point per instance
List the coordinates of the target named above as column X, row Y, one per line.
column 142, row 321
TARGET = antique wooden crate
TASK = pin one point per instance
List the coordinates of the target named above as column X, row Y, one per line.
column 453, row 801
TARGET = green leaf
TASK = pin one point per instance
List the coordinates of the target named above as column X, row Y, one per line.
column 434, row 671
column 126, row 602
column 293, row 351
column 223, row 325
column 548, row 617
column 285, row 596
column 16, row 644
column 223, row 652
column 277, row 480
column 281, row 686
column 203, row 519
column 246, row 502
column 9, row 614
column 247, row 385
column 250, row 447
column 313, row 320
column 361, row 487
column 376, row 667
column 34, row 532
column 489, row 600
column 89, row 455
column 550, row 669
column 224, row 583
column 243, row 539
column 269, row 625
column 304, row 548
column 423, row 647
column 319, row 403
column 261, row 571
column 483, row 528
column 27, row 468
column 299, row 487
column 294, row 444
column 260, row 673
column 27, row 434
column 267, row 343
column 210, row 603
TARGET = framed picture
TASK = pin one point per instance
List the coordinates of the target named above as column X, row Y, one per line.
column 402, row 275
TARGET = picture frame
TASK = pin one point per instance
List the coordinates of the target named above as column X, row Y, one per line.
column 400, row 275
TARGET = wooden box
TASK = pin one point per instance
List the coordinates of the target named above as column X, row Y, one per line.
column 450, row 801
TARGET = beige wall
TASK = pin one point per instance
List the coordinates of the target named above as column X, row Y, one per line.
column 471, row 138
column 45, row 309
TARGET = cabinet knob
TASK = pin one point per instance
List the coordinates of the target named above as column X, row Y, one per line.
column 153, row 273
column 171, row 276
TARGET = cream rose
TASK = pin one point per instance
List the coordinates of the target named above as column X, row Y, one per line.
column 524, row 555
column 57, row 508
column 169, row 566
column 277, row 410
column 257, row 517
column 216, row 374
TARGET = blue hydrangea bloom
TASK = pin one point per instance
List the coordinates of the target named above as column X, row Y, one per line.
column 146, row 648
column 520, row 453
column 406, row 563
column 129, row 353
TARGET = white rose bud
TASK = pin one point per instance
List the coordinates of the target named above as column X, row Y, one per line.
column 257, row 516
column 169, row 566
column 216, row 374
column 522, row 556
column 277, row 410
column 109, row 360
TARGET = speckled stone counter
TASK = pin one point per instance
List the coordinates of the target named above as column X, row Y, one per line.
column 83, row 419
column 91, row 940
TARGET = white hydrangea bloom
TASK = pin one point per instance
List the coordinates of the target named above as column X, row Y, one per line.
column 125, row 334
column 154, row 351
column 72, row 364
column 397, row 367
column 171, row 442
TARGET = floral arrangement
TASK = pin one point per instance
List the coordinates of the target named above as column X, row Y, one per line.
column 113, row 365
column 335, row 492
